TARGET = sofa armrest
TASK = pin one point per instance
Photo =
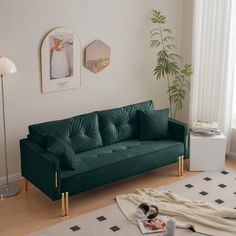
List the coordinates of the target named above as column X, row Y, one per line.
column 180, row 131
column 41, row 168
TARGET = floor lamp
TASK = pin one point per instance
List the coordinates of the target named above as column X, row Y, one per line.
column 6, row 67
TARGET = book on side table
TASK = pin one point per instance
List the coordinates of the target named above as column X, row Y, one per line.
column 205, row 128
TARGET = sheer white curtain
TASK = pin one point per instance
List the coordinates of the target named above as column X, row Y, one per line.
column 213, row 62
column 234, row 103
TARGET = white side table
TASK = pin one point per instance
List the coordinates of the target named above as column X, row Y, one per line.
column 207, row 153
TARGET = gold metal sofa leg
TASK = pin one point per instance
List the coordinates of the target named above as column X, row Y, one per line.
column 26, row 185
column 181, row 165
column 65, row 204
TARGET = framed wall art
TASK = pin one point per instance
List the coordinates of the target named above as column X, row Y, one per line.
column 97, row 56
column 60, row 61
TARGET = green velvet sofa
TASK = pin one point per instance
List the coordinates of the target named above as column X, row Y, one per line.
column 107, row 148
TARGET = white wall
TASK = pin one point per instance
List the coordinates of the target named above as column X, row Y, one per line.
column 122, row 24
column 186, row 50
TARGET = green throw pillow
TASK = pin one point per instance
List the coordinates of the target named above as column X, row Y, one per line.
column 153, row 124
column 63, row 151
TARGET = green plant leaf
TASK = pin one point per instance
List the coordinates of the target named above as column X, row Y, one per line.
column 159, row 72
column 154, row 34
column 155, row 43
column 168, row 38
column 167, row 30
column 162, row 54
column 166, row 67
column 155, row 30
column 157, row 17
column 173, row 68
column 187, row 70
column 173, row 56
column 170, row 46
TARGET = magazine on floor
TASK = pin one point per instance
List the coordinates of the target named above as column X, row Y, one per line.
column 157, row 225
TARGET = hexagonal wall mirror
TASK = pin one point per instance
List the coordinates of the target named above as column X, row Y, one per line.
column 97, row 56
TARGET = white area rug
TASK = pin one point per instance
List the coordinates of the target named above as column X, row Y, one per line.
column 215, row 187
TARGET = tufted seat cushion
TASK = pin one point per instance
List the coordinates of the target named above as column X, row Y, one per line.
column 101, row 165
column 121, row 123
column 80, row 132
column 109, row 155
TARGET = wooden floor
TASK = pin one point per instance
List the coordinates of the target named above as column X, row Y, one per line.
column 32, row 210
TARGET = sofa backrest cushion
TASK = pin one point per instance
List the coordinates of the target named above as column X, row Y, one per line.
column 153, row 124
column 81, row 132
column 63, row 151
column 121, row 123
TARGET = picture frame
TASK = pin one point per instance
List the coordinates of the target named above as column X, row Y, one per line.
column 97, row 56
column 60, row 61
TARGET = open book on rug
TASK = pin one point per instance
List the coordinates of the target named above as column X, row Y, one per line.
column 157, row 225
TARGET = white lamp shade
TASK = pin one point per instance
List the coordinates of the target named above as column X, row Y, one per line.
column 7, row 66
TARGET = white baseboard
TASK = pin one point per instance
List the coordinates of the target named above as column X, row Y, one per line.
column 11, row 178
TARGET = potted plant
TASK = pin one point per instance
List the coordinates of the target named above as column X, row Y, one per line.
column 169, row 64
